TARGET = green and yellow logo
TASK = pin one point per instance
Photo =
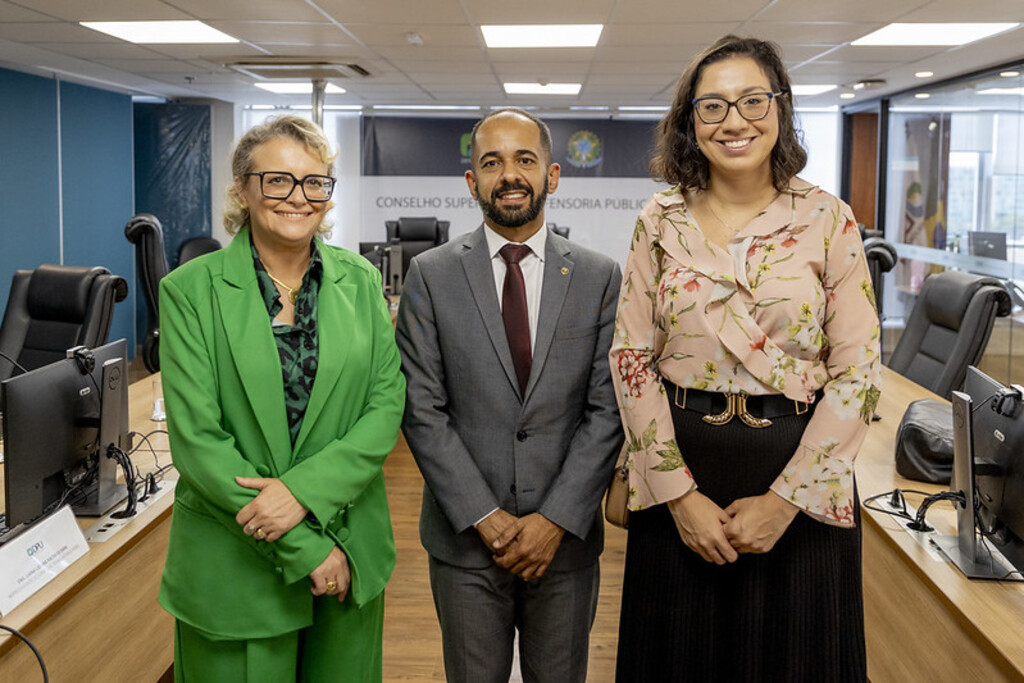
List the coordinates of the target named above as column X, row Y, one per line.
column 584, row 149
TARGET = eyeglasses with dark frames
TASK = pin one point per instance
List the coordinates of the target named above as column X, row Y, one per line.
column 281, row 184
column 752, row 106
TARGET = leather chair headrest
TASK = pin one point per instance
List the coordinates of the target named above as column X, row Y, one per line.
column 879, row 251
column 141, row 223
column 60, row 292
column 949, row 295
column 419, row 228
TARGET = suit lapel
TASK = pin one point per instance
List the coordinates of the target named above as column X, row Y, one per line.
column 476, row 261
column 335, row 315
column 247, row 328
column 557, row 275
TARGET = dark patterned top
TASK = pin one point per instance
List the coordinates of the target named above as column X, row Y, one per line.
column 297, row 344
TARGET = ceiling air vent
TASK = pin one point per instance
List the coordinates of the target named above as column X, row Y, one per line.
column 297, row 68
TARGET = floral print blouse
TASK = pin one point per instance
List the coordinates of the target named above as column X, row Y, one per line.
column 787, row 309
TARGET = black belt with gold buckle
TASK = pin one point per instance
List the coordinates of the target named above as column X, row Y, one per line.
column 718, row 409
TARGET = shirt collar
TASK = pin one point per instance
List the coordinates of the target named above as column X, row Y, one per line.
column 536, row 243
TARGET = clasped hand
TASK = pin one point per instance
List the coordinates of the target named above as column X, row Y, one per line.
column 272, row 513
column 525, row 545
column 748, row 525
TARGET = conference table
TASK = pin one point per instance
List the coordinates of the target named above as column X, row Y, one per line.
column 924, row 620
column 99, row 619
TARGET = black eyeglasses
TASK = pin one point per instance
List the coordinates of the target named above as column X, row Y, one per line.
column 752, row 106
column 281, row 184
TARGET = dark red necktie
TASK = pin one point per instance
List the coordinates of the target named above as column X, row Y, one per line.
column 515, row 314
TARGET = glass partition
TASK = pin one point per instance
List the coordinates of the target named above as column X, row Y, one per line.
column 954, row 172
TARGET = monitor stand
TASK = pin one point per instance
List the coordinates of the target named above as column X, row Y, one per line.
column 973, row 555
column 107, row 493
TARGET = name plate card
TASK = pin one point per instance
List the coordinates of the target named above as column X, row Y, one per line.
column 37, row 556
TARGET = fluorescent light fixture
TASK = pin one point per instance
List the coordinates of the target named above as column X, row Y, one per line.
column 924, row 74
column 588, row 108
column 812, row 89
column 847, row 95
column 160, row 32
column 646, row 116
column 816, row 110
column 659, row 108
column 148, row 99
column 922, row 95
column 261, row 107
column 1002, row 91
column 1009, row 74
column 291, row 88
column 344, row 107
column 505, row 106
column 931, row 34
column 543, row 88
column 427, row 107
column 542, row 35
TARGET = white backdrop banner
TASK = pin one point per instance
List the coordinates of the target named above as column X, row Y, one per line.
column 599, row 212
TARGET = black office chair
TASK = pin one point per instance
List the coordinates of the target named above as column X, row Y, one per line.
column 54, row 308
column 197, row 246
column 146, row 233
column 948, row 329
column 560, row 230
column 881, row 258
column 416, row 235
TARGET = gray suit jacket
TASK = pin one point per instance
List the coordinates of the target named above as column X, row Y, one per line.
column 479, row 444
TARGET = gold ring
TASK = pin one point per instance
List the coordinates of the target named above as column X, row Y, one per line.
column 259, row 534
column 332, row 585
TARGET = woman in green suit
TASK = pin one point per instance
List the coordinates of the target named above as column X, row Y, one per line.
column 284, row 396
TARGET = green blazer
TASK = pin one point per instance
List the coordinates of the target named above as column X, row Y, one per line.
column 224, row 394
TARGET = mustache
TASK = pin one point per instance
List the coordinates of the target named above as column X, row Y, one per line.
column 507, row 187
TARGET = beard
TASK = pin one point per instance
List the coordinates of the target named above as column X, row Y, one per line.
column 512, row 218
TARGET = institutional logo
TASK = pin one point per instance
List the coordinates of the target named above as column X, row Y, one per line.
column 584, row 149
column 464, row 143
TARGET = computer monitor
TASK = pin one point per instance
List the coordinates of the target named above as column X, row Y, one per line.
column 988, row 244
column 59, row 422
column 988, row 440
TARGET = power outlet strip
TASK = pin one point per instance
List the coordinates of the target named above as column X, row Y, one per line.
column 108, row 525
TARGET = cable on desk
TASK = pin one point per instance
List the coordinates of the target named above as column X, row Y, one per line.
column 896, row 500
column 39, row 657
column 144, row 439
column 918, row 524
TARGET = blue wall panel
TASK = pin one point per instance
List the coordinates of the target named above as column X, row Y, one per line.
column 96, row 134
column 29, row 208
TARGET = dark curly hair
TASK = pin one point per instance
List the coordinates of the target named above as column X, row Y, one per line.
column 678, row 159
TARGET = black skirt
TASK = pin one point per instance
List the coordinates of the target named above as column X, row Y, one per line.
column 795, row 613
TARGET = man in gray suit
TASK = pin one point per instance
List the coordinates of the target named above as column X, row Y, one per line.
column 511, row 416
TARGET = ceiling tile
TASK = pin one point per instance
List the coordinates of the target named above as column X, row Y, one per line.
column 107, row 10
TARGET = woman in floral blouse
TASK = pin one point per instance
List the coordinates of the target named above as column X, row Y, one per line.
column 746, row 364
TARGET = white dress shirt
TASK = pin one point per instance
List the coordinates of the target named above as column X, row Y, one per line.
column 532, row 266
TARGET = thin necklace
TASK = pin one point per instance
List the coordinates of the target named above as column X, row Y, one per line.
column 293, row 292
column 729, row 227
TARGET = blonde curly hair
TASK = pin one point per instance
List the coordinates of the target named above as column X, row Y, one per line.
column 295, row 128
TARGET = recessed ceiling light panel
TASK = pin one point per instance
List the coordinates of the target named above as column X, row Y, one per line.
column 928, row 34
column 299, row 88
column 160, row 32
column 812, row 89
column 542, row 35
column 543, row 89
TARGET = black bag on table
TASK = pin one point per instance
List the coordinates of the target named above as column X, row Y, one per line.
column 924, row 442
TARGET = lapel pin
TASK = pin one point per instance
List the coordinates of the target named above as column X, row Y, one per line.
column 565, row 271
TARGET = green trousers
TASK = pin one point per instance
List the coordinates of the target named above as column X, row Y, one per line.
column 343, row 644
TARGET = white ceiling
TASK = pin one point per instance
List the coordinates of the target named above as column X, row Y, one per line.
column 645, row 45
